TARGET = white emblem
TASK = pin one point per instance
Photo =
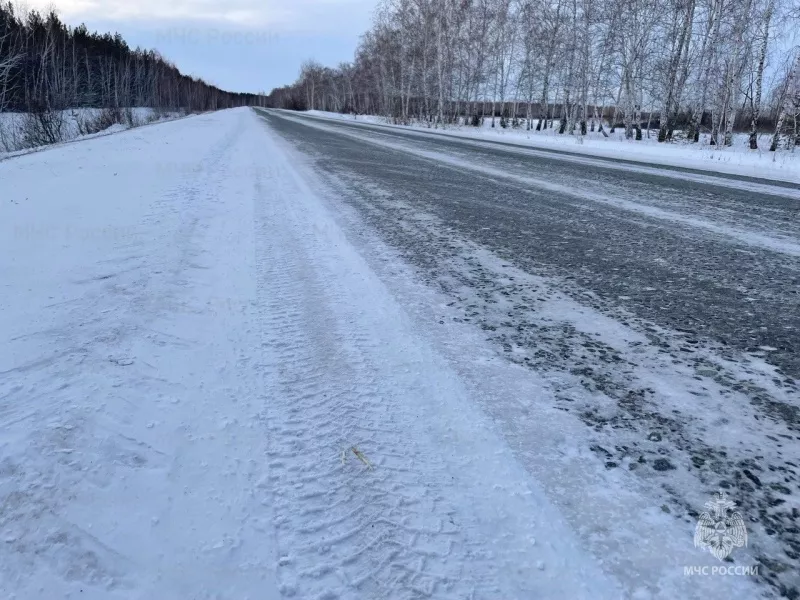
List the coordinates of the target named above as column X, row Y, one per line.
column 722, row 529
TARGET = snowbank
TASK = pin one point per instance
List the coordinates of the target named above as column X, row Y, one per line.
column 74, row 124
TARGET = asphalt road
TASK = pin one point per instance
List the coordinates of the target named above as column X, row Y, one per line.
column 684, row 278
column 705, row 268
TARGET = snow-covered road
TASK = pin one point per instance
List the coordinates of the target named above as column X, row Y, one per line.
column 661, row 310
column 211, row 387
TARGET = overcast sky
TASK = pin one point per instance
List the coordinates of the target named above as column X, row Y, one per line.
column 239, row 45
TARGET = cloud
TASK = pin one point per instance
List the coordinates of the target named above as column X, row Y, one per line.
column 240, row 45
column 294, row 16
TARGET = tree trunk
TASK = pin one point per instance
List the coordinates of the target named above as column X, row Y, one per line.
column 762, row 55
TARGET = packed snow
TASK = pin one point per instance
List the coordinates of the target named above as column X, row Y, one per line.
column 211, row 388
column 686, row 411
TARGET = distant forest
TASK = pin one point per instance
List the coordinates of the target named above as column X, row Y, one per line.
column 47, row 66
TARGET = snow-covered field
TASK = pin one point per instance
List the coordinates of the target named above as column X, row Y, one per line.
column 75, row 123
column 210, row 389
column 737, row 159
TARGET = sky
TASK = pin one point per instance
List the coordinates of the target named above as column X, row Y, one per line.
column 238, row 45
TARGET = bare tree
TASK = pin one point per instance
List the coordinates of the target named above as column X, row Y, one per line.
column 47, row 68
column 585, row 62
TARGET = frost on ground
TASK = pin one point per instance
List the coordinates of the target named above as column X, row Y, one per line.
column 737, row 159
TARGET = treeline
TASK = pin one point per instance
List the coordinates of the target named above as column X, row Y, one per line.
column 575, row 65
column 46, row 66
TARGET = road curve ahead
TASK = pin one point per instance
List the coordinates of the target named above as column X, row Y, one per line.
column 661, row 305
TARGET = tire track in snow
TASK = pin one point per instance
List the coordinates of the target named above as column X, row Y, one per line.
column 446, row 512
column 369, row 531
column 621, row 510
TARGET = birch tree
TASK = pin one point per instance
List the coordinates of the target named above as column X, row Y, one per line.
column 666, row 65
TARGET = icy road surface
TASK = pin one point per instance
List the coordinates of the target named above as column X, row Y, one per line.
column 662, row 308
column 243, row 357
